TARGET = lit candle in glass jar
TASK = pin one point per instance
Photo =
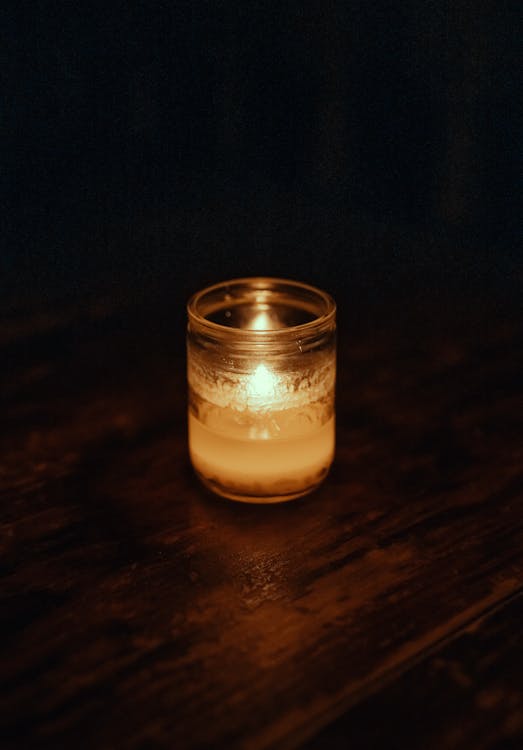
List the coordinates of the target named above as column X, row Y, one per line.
column 261, row 371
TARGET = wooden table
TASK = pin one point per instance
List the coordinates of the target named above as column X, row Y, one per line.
column 138, row 611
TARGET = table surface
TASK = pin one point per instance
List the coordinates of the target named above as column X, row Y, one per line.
column 138, row 611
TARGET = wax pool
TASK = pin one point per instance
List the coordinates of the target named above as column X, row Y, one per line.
column 261, row 467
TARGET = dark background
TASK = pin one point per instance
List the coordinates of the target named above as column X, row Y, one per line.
column 147, row 150
column 371, row 148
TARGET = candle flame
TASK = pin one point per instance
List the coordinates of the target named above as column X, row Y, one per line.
column 262, row 384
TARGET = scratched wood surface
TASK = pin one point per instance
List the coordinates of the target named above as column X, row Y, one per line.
column 137, row 611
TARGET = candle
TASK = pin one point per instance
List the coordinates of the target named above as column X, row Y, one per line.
column 261, row 372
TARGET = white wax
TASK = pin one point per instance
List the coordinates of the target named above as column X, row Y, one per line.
column 289, row 458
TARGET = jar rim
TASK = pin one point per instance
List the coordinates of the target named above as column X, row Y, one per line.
column 263, row 284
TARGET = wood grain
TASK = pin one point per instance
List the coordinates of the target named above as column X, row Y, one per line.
column 468, row 694
column 137, row 611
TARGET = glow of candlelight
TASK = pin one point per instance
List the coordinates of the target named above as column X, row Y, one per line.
column 262, row 384
column 262, row 321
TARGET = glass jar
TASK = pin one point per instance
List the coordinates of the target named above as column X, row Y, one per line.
column 261, row 368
